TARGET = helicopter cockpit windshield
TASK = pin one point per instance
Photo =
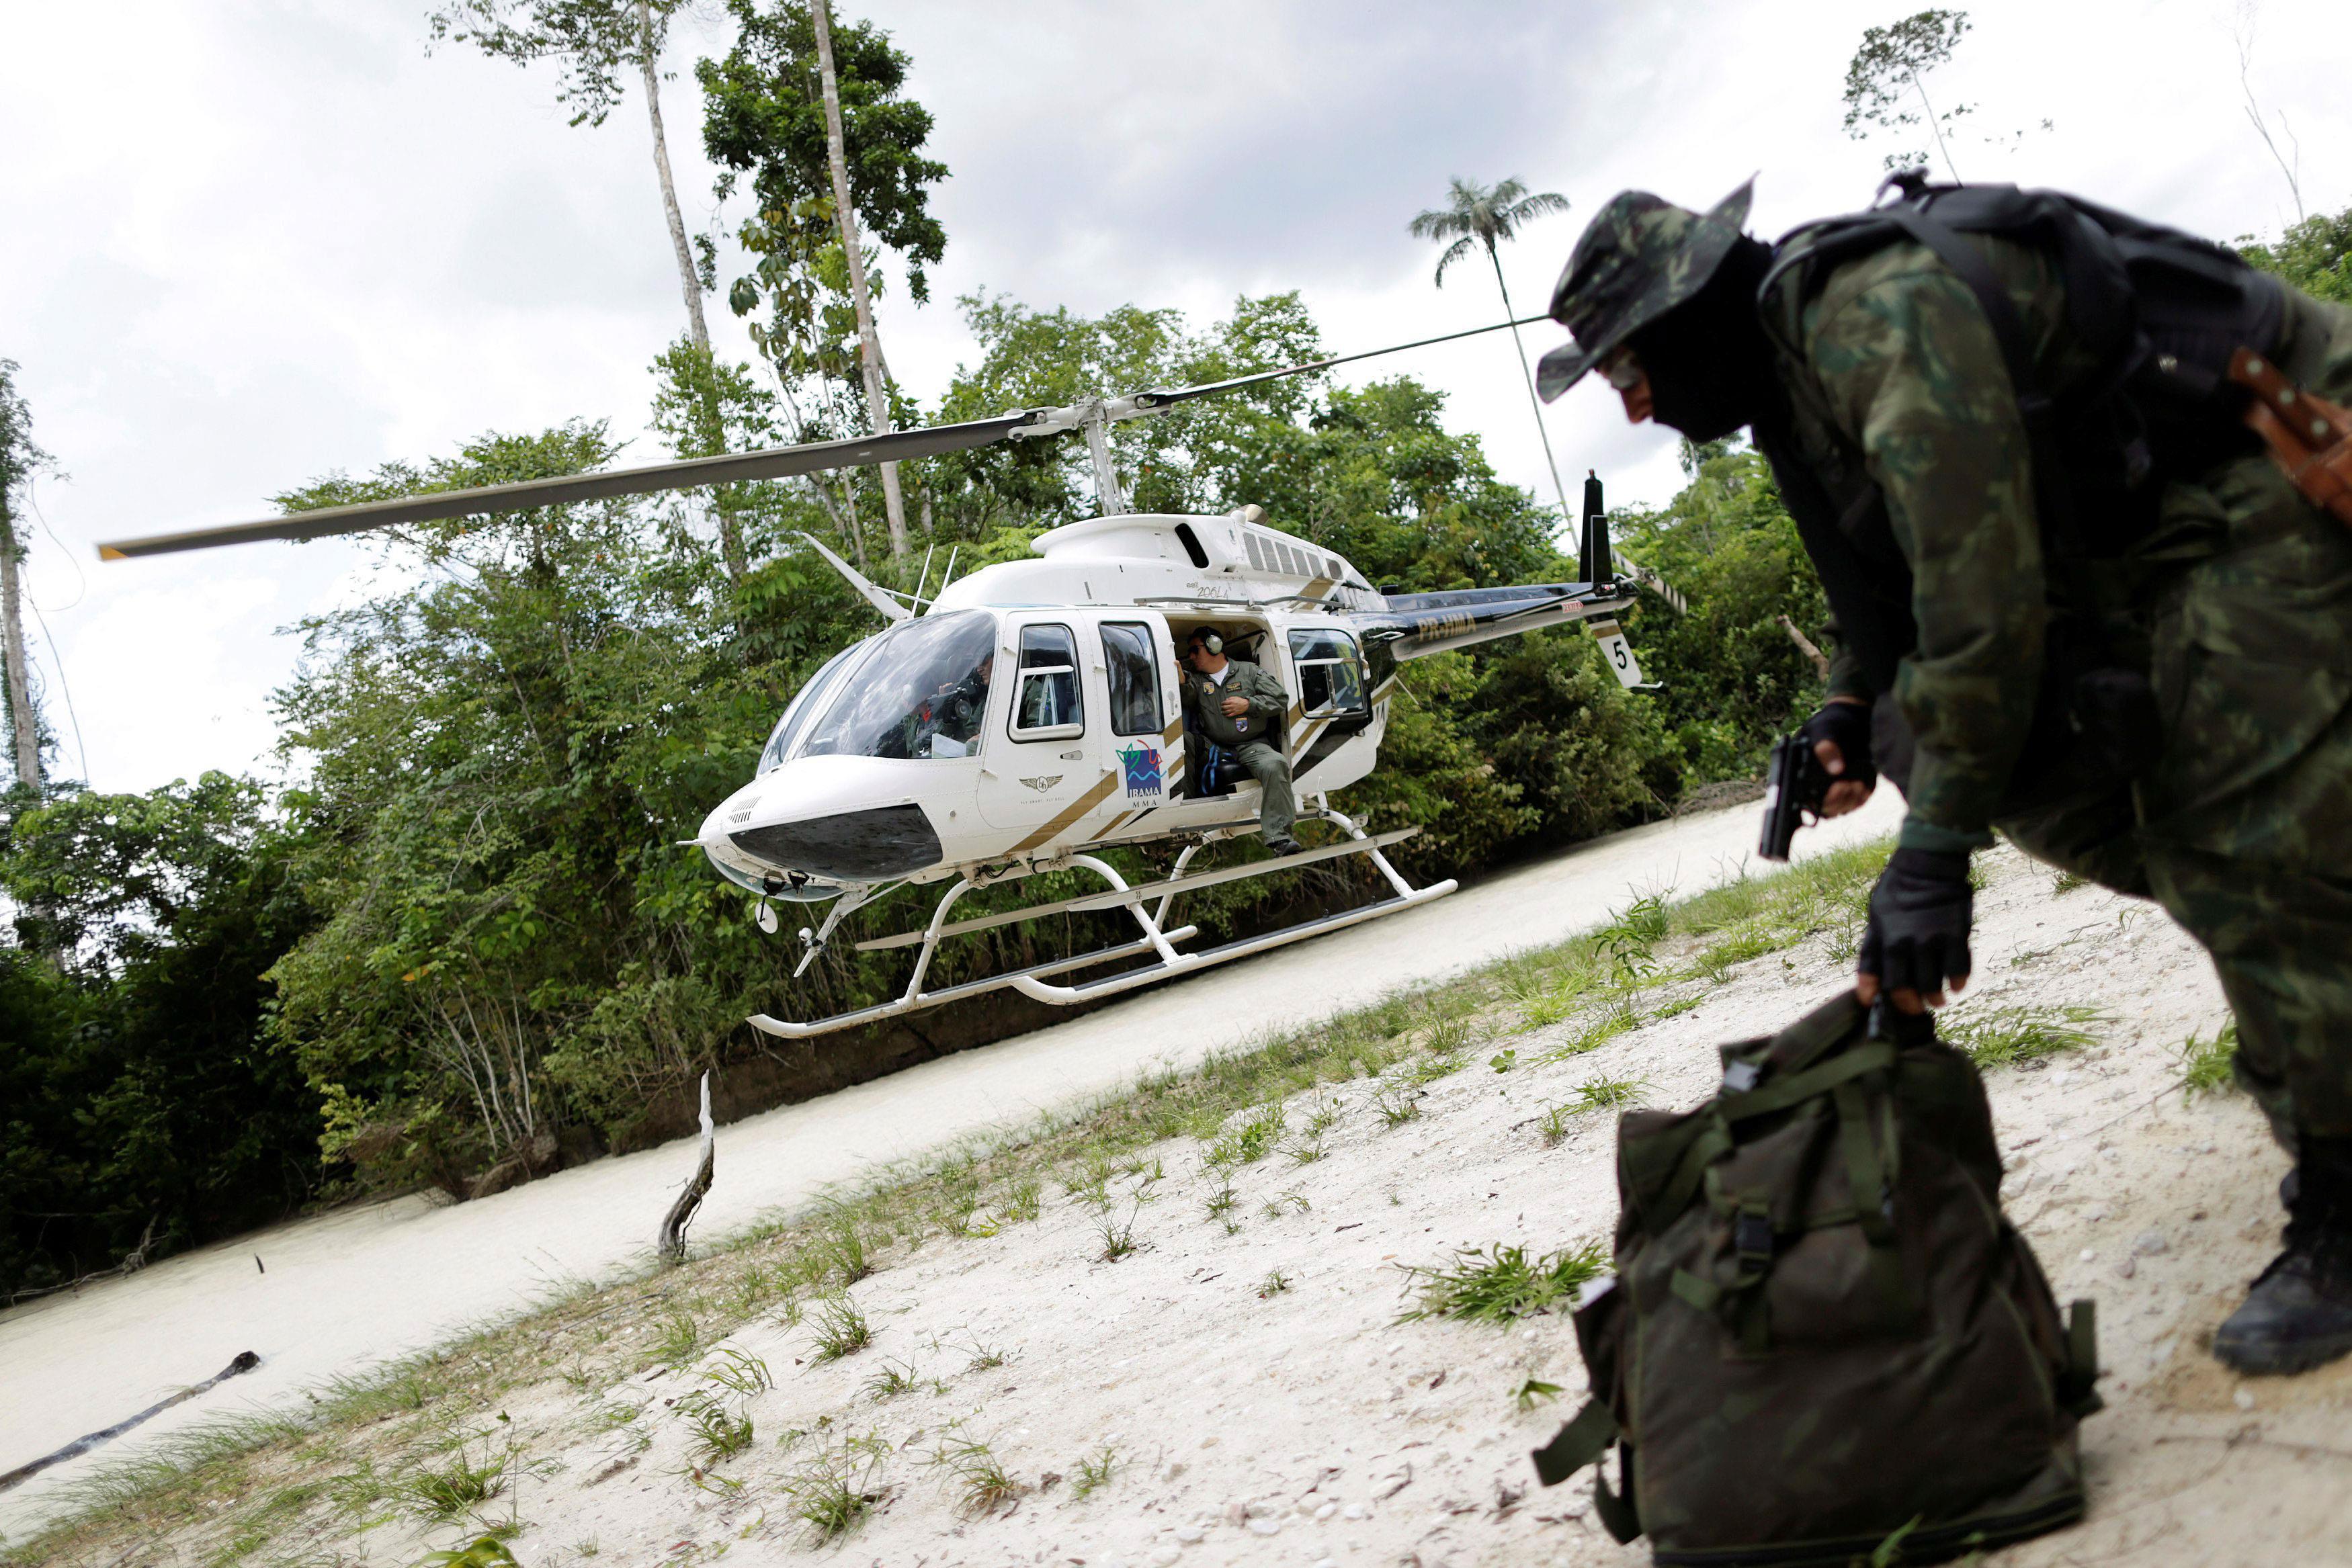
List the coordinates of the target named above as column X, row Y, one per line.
column 920, row 693
column 806, row 703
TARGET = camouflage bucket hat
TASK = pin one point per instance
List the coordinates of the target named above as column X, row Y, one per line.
column 1638, row 259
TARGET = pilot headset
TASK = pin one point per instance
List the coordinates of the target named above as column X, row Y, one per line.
column 1203, row 637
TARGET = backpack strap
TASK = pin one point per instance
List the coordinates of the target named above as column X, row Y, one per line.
column 2078, row 1392
column 1581, row 1440
column 1619, row 1514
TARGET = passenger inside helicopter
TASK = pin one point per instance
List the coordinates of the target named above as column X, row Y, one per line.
column 1211, row 770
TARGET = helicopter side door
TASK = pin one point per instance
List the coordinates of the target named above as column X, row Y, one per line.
column 1045, row 765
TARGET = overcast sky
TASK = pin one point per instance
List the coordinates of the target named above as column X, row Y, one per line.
column 243, row 245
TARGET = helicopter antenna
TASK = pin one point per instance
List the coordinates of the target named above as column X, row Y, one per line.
column 922, row 576
column 947, row 575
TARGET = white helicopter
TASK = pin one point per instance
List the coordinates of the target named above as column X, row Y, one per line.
column 1027, row 716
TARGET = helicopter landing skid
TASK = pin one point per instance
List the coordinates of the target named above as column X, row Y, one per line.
column 1155, row 939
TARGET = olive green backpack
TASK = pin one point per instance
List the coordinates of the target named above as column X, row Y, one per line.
column 1824, row 1340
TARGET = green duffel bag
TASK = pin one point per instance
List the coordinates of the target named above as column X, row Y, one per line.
column 1824, row 1340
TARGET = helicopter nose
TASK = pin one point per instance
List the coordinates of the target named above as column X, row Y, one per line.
column 870, row 845
column 821, row 821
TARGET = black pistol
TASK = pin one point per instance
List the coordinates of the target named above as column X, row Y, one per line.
column 1795, row 786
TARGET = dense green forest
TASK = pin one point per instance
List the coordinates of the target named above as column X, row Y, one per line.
column 453, row 944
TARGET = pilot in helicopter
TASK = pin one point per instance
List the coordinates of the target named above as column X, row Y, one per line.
column 947, row 723
column 1241, row 707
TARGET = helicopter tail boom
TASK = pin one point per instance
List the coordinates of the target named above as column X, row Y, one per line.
column 1416, row 625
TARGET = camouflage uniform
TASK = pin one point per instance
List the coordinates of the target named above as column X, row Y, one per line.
column 2240, row 602
column 2241, row 598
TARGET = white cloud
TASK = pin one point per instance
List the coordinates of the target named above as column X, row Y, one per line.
column 252, row 242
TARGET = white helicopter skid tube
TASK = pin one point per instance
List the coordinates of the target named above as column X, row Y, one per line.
column 1033, row 986
column 915, row 998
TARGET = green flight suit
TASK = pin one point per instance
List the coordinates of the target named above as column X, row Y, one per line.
column 2241, row 599
column 1254, row 738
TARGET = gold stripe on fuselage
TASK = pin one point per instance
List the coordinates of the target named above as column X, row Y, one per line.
column 1069, row 814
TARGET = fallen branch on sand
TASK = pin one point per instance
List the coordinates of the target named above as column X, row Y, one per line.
column 246, row 1362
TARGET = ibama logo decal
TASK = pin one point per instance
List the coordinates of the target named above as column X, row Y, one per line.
column 1141, row 766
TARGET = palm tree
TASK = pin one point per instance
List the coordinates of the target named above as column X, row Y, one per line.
column 1486, row 215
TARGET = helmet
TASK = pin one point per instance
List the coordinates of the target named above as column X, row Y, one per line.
column 1640, row 258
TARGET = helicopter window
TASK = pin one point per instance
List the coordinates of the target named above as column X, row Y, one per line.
column 805, row 705
column 1047, row 706
column 1330, row 674
column 1134, row 680
column 1256, row 552
column 922, row 694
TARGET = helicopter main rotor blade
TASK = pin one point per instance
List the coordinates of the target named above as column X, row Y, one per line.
column 1165, row 397
column 728, row 468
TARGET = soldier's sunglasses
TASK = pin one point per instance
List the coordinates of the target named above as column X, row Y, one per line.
column 1620, row 368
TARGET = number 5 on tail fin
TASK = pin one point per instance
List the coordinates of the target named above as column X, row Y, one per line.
column 1617, row 654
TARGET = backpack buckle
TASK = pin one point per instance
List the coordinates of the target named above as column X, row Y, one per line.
column 1751, row 1237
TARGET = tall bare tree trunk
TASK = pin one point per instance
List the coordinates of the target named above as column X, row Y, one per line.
column 869, row 346
column 24, row 721
column 730, row 532
column 1552, row 465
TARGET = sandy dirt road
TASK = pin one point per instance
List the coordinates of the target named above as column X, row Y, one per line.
column 348, row 1290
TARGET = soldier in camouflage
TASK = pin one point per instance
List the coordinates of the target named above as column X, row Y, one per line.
column 1883, row 372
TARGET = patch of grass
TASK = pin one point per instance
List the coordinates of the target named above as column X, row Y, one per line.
column 739, row 1373
column 2003, row 1037
column 1274, row 1284
column 1430, row 1069
column 714, row 1432
column 845, row 1251
column 985, row 1356
column 840, row 1330
column 676, row 1340
column 1594, row 1036
column 1250, row 1141
column 1677, row 1008
column 1095, row 1472
column 1220, row 1202
column 2066, row 881
column 833, row 1492
column 489, row 1551
column 982, row 1483
column 1023, row 1200
column 440, row 1493
column 1398, row 1102
column 1447, row 1039
column 1118, row 1236
column 1631, row 939
column 895, row 1377
column 2205, row 1063
column 1607, row 1093
column 1499, row 1284
column 1288, row 1198
column 1534, row 1392
column 1555, row 1125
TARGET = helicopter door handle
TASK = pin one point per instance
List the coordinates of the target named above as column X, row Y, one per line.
column 1074, row 756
